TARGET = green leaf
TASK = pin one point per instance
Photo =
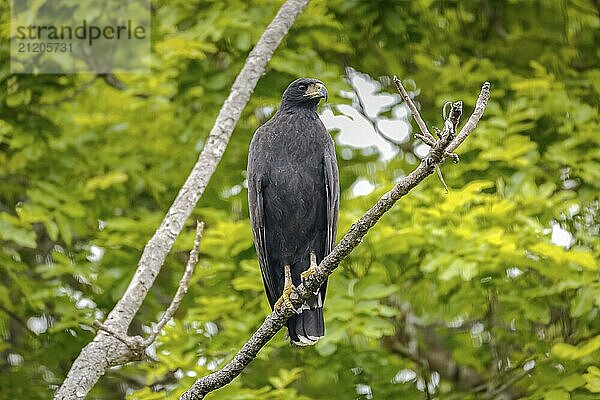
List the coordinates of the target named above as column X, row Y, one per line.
column 592, row 379
column 248, row 282
column 570, row 352
column 377, row 327
column 105, row 181
column 375, row 291
column 285, row 378
column 326, row 348
column 460, row 268
column 537, row 312
column 19, row 236
column 584, row 302
column 64, row 228
column 580, row 257
column 557, row 394
column 572, row 382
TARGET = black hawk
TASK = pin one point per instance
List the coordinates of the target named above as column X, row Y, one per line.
column 293, row 196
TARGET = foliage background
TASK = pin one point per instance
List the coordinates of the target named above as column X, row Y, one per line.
column 470, row 279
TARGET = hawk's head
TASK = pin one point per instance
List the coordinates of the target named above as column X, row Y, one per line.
column 304, row 92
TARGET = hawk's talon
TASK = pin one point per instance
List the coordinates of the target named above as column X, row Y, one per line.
column 288, row 288
column 284, row 300
column 307, row 274
column 311, row 271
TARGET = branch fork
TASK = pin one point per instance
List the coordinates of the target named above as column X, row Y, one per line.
column 447, row 136
column 137, row 345
column 425, row 135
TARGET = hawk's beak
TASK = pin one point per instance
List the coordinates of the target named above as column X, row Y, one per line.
column 317, row 91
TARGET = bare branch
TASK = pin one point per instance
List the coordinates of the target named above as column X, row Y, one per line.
column 399, row 348
column 425, row 139
column 136, row 344
column 425, row 135
column 432, row 354
column 471, row 124
column 441, row 178
column 118, row 335
column 181, row 289
column 413, row 110
column 349, row 241
column 429, row 143
column 104, row 349
column 112, row 81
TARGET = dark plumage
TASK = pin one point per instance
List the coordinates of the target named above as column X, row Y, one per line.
column 293, row 196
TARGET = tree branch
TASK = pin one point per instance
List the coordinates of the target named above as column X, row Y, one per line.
column 425, row 135
column 349, row 241
column 136, row 344
column 413, row 110
column 471, row 124
column 105, row 350
column 181, row 289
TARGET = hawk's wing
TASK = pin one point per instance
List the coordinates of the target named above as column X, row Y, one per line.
column 332, row 188
column 257, row 220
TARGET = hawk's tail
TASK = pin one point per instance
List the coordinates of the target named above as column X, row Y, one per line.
column 307, row 327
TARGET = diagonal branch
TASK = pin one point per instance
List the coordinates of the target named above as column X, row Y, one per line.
column 413, row 110
column 471, row 124
column 105, row 350
column 276, row 320
column 425, row 135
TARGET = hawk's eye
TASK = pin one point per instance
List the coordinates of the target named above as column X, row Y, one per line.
column 302, row 87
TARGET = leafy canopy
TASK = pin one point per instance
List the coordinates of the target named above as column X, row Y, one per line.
column 87, row 172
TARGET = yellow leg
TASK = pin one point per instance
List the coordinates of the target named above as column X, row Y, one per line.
column 312, row 269
column 288, row 287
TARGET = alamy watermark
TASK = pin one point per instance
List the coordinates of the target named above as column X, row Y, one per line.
column 71, row 36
